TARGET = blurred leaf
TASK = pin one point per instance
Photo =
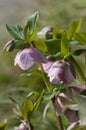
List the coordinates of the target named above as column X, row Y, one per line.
column 81, row 37
column 53, row 45
column 33, row 72
column 65, row 47
column 27, row 108
column 74, row 42
column 55, row 31
column 74, row 126
column 40, row 44
column 21, row 44
column 39, row 100
column 14, row 31
column 30, row 28
column 49, row 96
column 73, row 28
column 34, row 95
column 81, row 101
column 3, row 125
column 20, row 30
column 10, row 46
column 78, row 52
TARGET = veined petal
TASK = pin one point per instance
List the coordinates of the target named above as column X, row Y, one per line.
column 23, row 59
column 37, row 55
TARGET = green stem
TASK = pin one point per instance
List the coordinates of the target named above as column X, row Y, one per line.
column 59, row 120
column 79, row 70
column 45, row 79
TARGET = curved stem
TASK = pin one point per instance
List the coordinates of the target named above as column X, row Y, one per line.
column 45, row 79
column 59, row 120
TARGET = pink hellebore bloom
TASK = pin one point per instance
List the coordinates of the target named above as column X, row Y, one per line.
column 26, row 58
column 60, row 71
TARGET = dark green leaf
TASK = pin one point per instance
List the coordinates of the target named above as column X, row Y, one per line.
column 78, row 52
column 14, row 31
column 20, row 30
column 3, row 125
column 81, row 37
column 81, row 101
column 74, row 28
column 10, row 46
column 53, row 45
column 50, row 95
column 21, row 44
column 65, row 47
column 27, row 108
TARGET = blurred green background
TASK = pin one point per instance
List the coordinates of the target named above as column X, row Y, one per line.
column 60, row 12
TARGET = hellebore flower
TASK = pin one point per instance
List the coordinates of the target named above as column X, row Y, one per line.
column 64, row 101
column 60, row 71
column 27, row 57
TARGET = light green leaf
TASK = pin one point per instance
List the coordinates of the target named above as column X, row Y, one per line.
column 3, row 125
column 73, row 28
column 27, row 108
column 39, row 100
column 55, row 29
column 40, row 44
column 65, row 47
column 81, row 37
column 81, row 101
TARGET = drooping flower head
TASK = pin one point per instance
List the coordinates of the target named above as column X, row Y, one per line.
column 27, row 57
column 60, row 71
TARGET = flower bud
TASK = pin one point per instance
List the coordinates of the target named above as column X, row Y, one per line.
column 46, row 30
column 61, row 71
column 26, row 58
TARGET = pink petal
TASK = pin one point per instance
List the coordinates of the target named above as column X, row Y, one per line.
column 23, row 59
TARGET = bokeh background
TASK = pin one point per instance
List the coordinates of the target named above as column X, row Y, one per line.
column 60, row 12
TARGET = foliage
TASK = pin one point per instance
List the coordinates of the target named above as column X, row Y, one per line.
column 54, row 51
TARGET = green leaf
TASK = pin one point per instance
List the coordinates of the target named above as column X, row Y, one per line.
column 30, row 28
column 10, row 46
column 73, row 28
column 53, row 45
column 27, row 108
column 50, row 95
column 3, row 125
column 39, row 100
column 19, row 44
column 81, row 101
column 65, row 47
column 20, row 30
column 40, row 44
column 81, row 37
column 74, row 126
column 14, row 31
column 55, row 31
column 78, row 52
column 33, row 72
column 74, row 42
